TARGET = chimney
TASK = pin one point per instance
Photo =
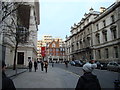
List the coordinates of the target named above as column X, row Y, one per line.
column 58, row 40
column 91, row 9
column 102, row 9
column 117, row 0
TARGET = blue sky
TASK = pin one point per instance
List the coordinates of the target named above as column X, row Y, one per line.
column 57, row 16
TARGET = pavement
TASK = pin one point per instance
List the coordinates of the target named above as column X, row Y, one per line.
column 11, row 73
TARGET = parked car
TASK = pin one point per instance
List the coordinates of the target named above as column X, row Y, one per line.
column 99, row 65
column 78, row 63
column 113, row 66
column 72, row 63
column 103, row 66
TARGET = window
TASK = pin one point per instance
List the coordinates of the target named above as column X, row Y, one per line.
column 106, row 53
column 114, row 34
column 87, row 20
column 88, row 30
column 57, row 49
column 53, row 45
column 50, row 49
column 98, row 38
column 99, row 54
column 56, row 54
column 112, row 19
column 22, row 34
column 104, row 23
column 97, row 26
column 116, row 52
column 104, row 35
column 113, row 31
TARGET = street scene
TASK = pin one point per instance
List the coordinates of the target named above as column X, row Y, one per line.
column 60, row 44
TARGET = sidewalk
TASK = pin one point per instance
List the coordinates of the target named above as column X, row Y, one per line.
column 10, row 72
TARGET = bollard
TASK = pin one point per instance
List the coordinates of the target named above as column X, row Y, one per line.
column 117, row 84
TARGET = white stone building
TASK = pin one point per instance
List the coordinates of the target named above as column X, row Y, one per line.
column 29, row 19
column 96, row 36
column 106, row 38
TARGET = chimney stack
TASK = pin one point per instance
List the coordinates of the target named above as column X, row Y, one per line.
column 102, row 9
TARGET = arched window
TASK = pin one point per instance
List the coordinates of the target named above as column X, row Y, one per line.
column 53, row 45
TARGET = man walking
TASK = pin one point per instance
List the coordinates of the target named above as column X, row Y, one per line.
column 46, row 66
column 42, row 65
column 30, row 66
column 35, row 65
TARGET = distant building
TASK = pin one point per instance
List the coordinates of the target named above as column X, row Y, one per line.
column 55, row 51
column 47, row 42
column 39, row 45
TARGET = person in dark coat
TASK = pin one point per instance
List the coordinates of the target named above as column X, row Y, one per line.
column 30, row 66
column 7, row 83
column 35, row 65
column 42, row 65
column 66, row 64
column 46, row 66
column 88, row 81
column 52, row 63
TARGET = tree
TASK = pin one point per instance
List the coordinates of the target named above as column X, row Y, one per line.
column 6, row 9
column 16, row 30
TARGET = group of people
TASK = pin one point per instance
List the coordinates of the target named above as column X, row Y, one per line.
column 44, row 64
column 30, row 65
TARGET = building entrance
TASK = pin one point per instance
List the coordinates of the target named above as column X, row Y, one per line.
column 20, row 58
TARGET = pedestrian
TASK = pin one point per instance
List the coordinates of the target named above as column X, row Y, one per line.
column 35, row 65
column 66, row 64
column 7, row 83
column 88, row 81
column 30, row 66
column 46, row 66
column 42, row 65
column 52, row 63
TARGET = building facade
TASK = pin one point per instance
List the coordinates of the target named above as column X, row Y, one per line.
column 27, row 17
column 96, row 36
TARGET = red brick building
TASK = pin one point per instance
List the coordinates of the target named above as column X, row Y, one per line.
column 55, row 51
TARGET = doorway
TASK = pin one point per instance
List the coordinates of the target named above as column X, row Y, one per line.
column 20, row 58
